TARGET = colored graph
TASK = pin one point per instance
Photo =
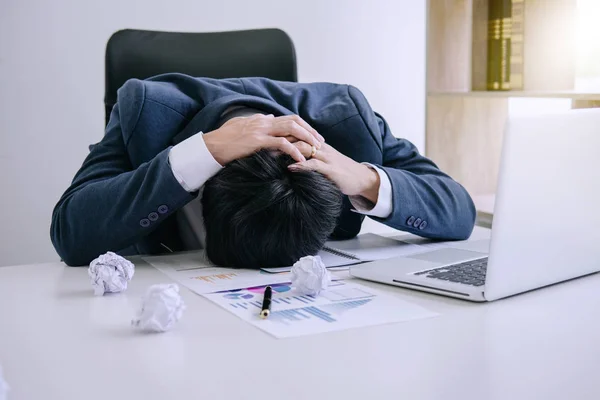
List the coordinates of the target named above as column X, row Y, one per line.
column 343, row 305
column 288, row 317
column 278, row 288
column 299, row 306
column 343, row 293
column 277, row 299
column 215, row 278
column 237, row 296
column 325, row 313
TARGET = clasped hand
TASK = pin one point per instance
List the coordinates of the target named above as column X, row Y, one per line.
column 243, row 136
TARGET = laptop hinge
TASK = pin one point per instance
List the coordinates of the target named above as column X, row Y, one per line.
column 432, row 288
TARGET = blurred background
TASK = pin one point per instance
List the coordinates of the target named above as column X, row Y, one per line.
column 417, row 61
column 52, row 81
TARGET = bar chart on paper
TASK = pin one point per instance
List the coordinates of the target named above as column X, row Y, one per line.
column 215, row 278
column 194, row 272
column 288, row 317
column 344, row 305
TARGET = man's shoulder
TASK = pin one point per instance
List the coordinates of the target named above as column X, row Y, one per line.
column 326, row 103
column 182, row 93
column 322, row 87
column 174, row 91
column 319, row 93
column 186, row 94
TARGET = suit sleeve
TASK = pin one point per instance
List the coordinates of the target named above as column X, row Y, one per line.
column 426, row 201
column 110, row 205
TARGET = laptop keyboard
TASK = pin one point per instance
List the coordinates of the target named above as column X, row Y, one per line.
column 468, row 273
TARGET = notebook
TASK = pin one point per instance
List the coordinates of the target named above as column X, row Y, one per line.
column 366, row 247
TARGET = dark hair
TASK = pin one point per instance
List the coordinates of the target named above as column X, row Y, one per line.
column 258, row 214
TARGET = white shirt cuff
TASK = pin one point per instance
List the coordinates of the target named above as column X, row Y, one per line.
column 384, row 206
column 192, row 163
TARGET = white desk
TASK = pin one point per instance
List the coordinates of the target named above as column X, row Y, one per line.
column 59, row 342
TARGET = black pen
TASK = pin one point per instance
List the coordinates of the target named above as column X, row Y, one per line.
column 266, row 305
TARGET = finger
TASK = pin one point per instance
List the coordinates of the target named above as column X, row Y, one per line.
column 283, row 128
column 258, row 116
column 305, row 148
column 291, row 139
column 280, row 143
column 297, row 119
column 321, row 154
column 310, row 165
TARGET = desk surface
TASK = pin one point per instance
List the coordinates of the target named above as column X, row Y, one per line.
column 58, row 341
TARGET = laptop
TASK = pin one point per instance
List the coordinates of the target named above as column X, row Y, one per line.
column 546, row 225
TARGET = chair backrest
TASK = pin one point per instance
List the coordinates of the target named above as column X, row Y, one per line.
column 267, row 53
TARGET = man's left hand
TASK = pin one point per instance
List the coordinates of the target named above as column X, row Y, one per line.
column 353, row 178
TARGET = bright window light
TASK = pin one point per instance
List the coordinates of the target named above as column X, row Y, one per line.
column 523, row 106
column 588, row 46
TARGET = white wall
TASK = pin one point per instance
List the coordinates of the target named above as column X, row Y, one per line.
column 52, row 66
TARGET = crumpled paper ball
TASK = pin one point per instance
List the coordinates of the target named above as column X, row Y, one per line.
column 309, row 275
column 110, row 273
column 162, row 307
column 3, row 386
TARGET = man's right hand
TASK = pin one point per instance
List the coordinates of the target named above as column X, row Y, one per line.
column 243, row 136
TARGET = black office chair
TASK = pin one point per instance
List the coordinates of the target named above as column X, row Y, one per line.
column 267, row 53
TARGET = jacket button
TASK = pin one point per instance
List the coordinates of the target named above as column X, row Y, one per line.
column 410, row 220
column 145, row 223
column 163, row 209
column 423, row 225
column 417, row 222
column 153, row 216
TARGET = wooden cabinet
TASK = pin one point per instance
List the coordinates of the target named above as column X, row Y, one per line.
column 464, row 122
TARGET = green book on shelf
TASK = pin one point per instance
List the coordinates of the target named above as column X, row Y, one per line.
column 499, row 40
column 516, row 44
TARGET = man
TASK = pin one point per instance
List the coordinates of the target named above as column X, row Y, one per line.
column 175, row 143
column 257, row 213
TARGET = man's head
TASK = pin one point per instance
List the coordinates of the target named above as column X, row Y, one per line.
column 258, row 214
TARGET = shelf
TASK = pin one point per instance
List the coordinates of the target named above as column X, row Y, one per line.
column 464, row 122
column 516, row 93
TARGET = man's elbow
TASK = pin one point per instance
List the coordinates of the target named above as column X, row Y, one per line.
column 66, row 247
column 455, row 222
column 69, row 255
column 463, row 222
column 463, row 231
column 455, row 229
column 75, row 260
